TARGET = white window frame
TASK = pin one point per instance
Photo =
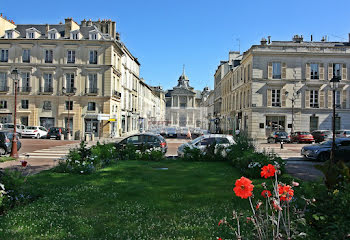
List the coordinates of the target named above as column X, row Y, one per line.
column 314, row 99
column 337, row 99
column 4, row 55
column 31, row 35
column 276, row 66
column 48, row 82
column 3, row 104
column 276, row 98
column 75, row 36
column 70, row 56
column 48, row 56
column 9, row 35
column 340, row 70
column 313, row 74
column 52, row 35
column 28, row 55
column 93, row 57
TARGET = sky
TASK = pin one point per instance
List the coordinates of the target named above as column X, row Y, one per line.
column 167, row 34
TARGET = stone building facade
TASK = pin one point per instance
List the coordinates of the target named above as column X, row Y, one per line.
column 86, row 61
column 258, row 92
column 183, row 105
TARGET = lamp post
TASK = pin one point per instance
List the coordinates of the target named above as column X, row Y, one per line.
column 70, row 92
column 14, row 153
column 334, row 84
column 293, row 98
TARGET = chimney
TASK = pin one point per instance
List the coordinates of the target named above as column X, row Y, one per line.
column 269, row 39
column 47, row 28
column 89, row 23
column 298, row 39
column 83, row 23
column 117, row 36
column 263, row 41
column 311, row 37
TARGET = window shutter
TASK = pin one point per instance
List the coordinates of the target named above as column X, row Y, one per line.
column 321, row 71
column 284, row 71
column 345, row 93
column 322, row 103
column 269, row 71
column 307, row 71
column 330, row 71
column 269, row 97
column 284, row 98
column 330, row 95
column 344, row 72
column 307, row 99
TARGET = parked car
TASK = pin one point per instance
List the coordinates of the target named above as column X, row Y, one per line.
column 56, row 132
column 184, row 131
column 204, row 141
column 171, row 132
column 322, row 135
column 278, row 136
column 196, row 132
column 19, row 129
column 302, row 137
column 322, row 151
column 145, row 141
column 343, row 133
column 6, row 142
column 34, row 132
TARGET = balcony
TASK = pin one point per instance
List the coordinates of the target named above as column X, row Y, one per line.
column 24, row 90
column 91, row 91
column 117, row 94
column 4, row 89
column 46, row 90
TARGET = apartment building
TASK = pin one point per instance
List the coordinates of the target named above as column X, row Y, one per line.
column 81, row 73
column 258, row 93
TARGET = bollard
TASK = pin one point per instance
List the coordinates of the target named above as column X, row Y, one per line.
column 282, row 144
column 92, row 137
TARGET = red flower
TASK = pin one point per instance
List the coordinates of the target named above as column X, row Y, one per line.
column 219, row 238
column 24, row 163
column 268, row 171
column 221, row 222
column 286, row 192
column 266, row 193
column 243, row 188
column 276, row 206
column 258, row 205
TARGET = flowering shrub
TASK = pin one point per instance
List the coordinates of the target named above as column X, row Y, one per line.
column 274, row 216
column 212, row 153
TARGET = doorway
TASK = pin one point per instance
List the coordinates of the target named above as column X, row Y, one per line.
column 91, row 126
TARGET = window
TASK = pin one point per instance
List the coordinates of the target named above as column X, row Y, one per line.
column 52, row 35
column 337, row 99
column 337, row 70
column 26, row 55
column 24, row 120
column 24, row 104
column 75, row 36
column 9, row 34
column 48, row 82
column 47, row 105
column 314, row 74
column 48, row 56
column 31, row 35
column 69, row 105
column 314, row 98
column 93, row 36
column 276, row 98
column 92, row 83
column 91, row 106
column 93, row 57
column 26, row 82
column 276, row 70
column 3, row 104
column 4, row 55
column 70, row 56
column 69, row 82
column 3, row 81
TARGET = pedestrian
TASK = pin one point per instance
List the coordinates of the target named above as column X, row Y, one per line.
column 189, row 136
column 237, row 132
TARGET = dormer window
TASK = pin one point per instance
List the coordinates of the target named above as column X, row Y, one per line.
column 93, row 36
column 9, row 35
column 31, row 35
column 75, row 36
column 52, row 35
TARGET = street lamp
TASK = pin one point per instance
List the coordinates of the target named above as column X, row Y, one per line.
column 334, row 85
column 14, row 153
column 293, row 98
column 70, row 92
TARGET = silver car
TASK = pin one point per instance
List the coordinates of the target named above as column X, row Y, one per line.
column 202, row 142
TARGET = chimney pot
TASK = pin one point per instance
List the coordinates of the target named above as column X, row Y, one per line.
column 263, row 41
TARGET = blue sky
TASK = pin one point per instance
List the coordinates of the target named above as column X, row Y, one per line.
column 165, row 34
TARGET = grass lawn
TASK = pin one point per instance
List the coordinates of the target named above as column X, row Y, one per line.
column 129, row 200
column 5, row 159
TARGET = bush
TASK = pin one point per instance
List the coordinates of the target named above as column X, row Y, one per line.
column 13, row 191
column 212, row 153
column 244, row 156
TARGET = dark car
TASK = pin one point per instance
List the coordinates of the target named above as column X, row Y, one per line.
column 56, row 132
column 322, row 151
column 302, row 137
column 145, row 141
column 322, row 135
column 6, row 142
column 278, row 136
column 171, row 132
